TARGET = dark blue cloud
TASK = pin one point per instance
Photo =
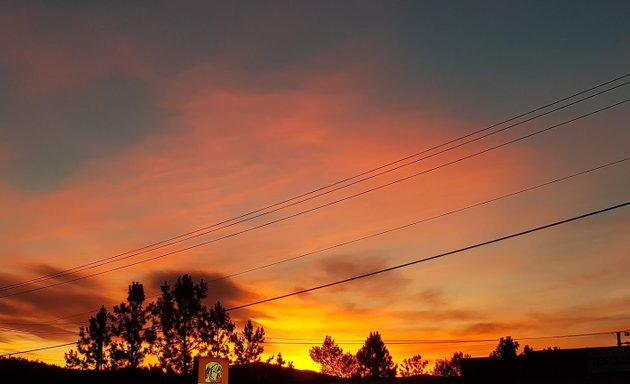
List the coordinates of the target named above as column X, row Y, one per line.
column 53, row 136
column 509, row 50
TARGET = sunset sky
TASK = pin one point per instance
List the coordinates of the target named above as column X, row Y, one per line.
column 123, row 124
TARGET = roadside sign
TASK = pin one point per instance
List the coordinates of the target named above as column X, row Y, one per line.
column 212, row 370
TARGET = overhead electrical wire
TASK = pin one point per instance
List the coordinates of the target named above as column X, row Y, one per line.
column 284, row 341
column 298, row 341
column 303, row 212
column 434, row 257
column 48, row 323
column 257, row 213
column 395, row 267
column 34, row 332
column 426, row 259
column 408, row 225
column 372, row 235
column 37, row 349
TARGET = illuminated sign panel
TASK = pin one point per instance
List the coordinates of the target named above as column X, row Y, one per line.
column 212, row 370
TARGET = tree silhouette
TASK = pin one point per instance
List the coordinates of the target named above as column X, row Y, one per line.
column 279, row 360
column 128, row 320
column 332, row 360
column 249, row 346
column 374, row 358
column 413, row 366
column 219, row 331
column 527, row 351
column 506, row 349
column 74, row 360
column 180, row 326
column 450, row 367
column 92, row 344
column 180, row 320
column 555, row 348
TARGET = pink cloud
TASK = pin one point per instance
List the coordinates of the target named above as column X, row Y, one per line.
column 232, row 150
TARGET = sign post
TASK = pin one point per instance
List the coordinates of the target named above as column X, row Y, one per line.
column 211, row 370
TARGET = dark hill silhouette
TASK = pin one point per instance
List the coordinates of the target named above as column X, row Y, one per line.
column 26, row 371
column 610, row 365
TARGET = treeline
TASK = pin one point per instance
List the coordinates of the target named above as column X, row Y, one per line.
column 177, row 325
column 373, row 359
column 171, row 328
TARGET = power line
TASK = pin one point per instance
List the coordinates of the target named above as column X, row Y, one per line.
column 423, row 260
column 394, row 229
column 400, row 266
column 303, row 212
column 288, row 341
column 376, row 234
column 49, row 322
column 37, row 349
column 285, row 340
column 35, row 332
column 296, row 200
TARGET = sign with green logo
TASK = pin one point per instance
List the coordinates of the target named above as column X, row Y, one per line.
column 211, row 370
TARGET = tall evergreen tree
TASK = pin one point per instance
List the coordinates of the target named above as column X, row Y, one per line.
column 506, row 349
column 280, row 360
column 374, row 358
column 92, row 344
column 249, row 345
column 128, row 322
column 332, row 360
column 220, row 331
column 180, row 321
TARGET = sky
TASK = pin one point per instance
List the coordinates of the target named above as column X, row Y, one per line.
column 126, row 124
